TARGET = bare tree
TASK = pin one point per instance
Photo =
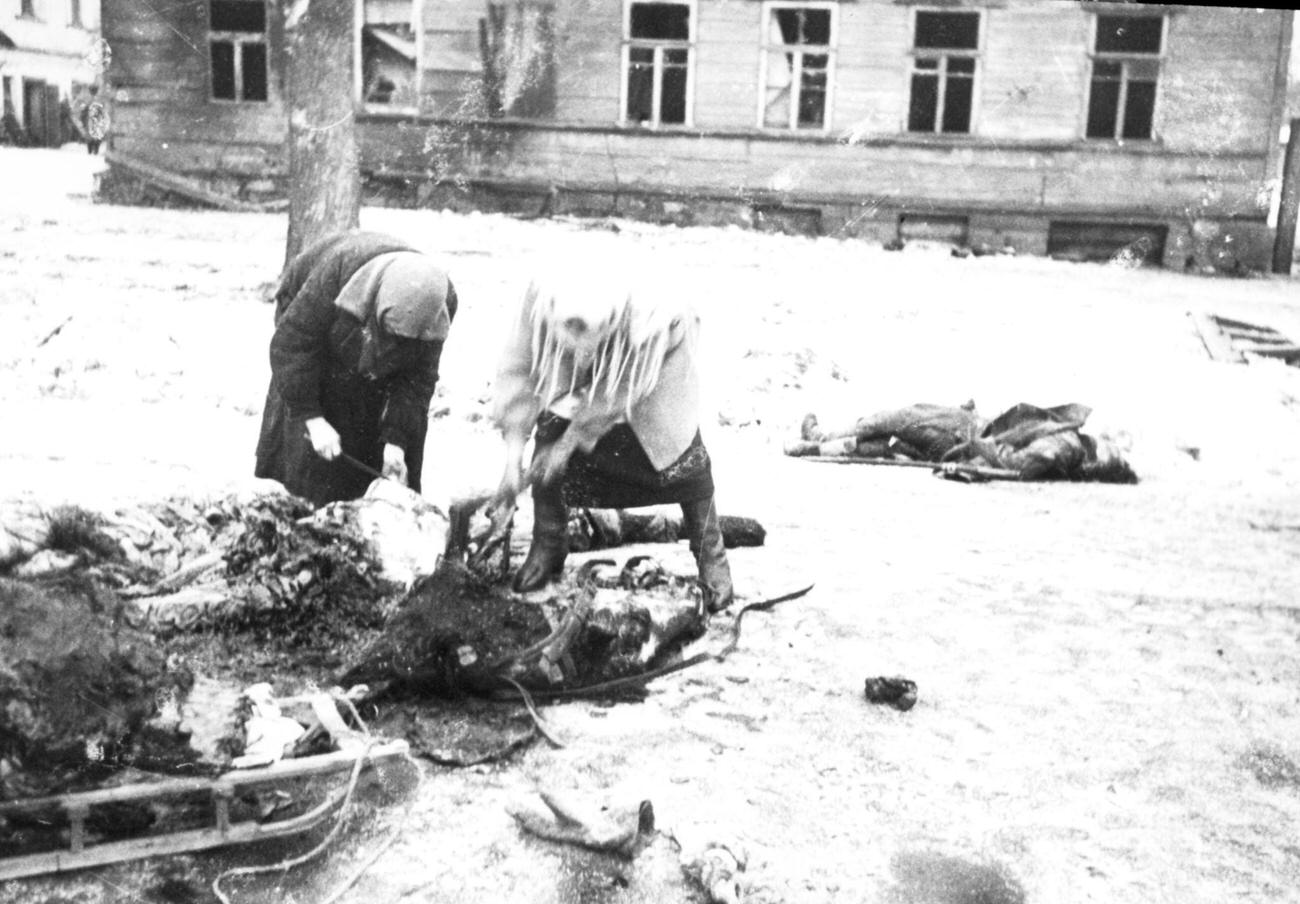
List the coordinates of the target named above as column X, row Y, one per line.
column 324, row 175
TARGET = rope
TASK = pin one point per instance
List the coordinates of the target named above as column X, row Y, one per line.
column 286, row 865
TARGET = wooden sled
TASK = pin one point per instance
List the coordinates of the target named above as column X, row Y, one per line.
column 82, row 852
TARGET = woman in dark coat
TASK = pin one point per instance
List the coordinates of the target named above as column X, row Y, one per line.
column 360, row 320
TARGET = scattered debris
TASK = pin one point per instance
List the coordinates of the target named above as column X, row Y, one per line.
column 598, row 822
column 717, row 868
column 78, row 692
column 897, row 692
column 1236, row 341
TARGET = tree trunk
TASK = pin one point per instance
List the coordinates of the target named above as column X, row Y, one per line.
column 324, row 177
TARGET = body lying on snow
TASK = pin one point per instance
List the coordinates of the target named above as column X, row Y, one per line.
column 1031, row 442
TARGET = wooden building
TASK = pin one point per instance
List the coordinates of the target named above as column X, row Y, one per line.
column 1043, row 125
column 48, row 61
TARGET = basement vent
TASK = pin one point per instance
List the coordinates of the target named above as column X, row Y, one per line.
column 787, row 220
column 1079, row 241
column 918, row 227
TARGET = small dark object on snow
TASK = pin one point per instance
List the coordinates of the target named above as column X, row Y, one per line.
column 898, row 692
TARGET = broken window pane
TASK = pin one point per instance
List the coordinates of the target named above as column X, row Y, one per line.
column 780, row 84
column 661, row 21
column 957, row 31
column 1139, row 109
column 1129, row 34
column 238, row 15
column 804, row 26
column 253, row 67
column 812, row 91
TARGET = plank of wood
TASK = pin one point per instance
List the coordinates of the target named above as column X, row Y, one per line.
column 1272, row 351
column 186, row 187
column 959, row 467
column 303, row 767
column 160, row 845
column 1217, row 345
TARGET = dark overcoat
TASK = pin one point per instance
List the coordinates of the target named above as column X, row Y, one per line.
column 315, row 352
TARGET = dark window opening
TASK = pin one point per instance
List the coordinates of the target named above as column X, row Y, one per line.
column 28, row 9
column 254, row 71
column 1129, row 34
column 947, row 31
column 957, row 105
column 658, row 63
column 672, row 91
column 925, row 103
column 943, row 83
column 74, row 16
column 1103, row 106
column 248, row 16
column 804, row 26
column 640, row 84
column 1123, row 88
column 223, row 70
column 661, row 22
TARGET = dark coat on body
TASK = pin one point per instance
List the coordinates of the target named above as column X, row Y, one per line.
column 315, row 353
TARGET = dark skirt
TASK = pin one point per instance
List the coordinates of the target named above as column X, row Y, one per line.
column 617, row 473
column 354, row 407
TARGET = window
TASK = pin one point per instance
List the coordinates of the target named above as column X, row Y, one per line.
column 1125, row 71
column 237, row 44
column 388, row 54
column 74, row 14
column 798, row 51
column 944, row 56
column 28, row 9
column 657, row 62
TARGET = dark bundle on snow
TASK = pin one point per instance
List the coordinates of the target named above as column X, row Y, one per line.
column 77, row 690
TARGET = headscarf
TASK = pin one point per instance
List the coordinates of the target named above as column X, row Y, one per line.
column 623, row 334
column 403, row 292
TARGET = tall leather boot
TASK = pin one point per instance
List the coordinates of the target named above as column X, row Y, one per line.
column 550, row 543
column 705, row 536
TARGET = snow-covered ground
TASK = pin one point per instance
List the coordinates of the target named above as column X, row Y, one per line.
column 1102, row 669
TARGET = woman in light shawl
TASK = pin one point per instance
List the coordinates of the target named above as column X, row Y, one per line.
column 360, row 321
column 607, row 376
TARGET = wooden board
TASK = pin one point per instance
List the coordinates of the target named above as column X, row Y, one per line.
column 80, row 855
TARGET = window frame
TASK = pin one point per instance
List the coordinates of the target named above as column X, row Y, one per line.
column 942, row 55
column 1123, row 58
column 237, row 39
column 796, row 82
column 358, row 63
column 625, row 53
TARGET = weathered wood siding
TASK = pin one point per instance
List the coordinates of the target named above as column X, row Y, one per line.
column 588, row 60
column 162, row 109
column 1217, row 89
column 1215, row 124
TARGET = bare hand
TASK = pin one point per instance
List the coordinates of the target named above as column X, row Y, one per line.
column 395, row 464
column 324, row 438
